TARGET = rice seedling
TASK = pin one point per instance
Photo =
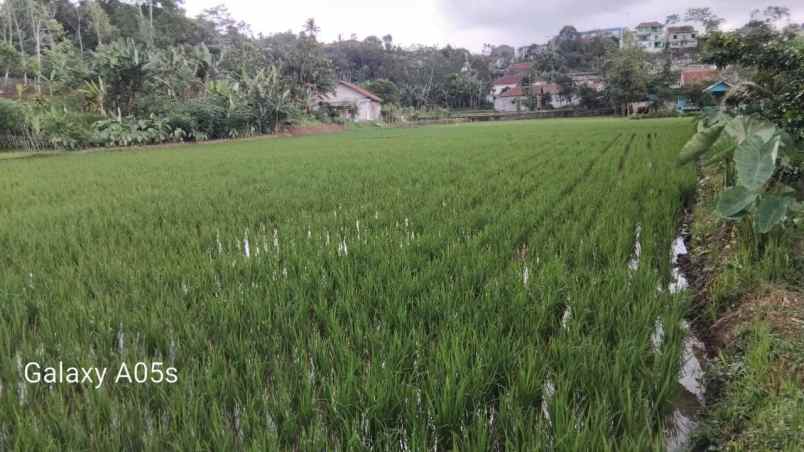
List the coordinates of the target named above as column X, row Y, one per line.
column 460, row 287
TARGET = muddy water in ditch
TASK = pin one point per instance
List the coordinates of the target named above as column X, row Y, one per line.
column 683, row 421
column 686, row 409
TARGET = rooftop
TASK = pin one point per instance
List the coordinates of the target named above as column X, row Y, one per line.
column 513, row 79
column 360, row 90
column 681, row 29
column 519, row 67
column 516, row 91
column 653, row 24
column 698, row 75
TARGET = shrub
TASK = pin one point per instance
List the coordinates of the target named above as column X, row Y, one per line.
column 204, row 119
column 30, row 127
column 12, row 117
column 131, row 132
column 63, row 129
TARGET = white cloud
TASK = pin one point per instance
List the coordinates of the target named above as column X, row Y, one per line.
column 409, row 22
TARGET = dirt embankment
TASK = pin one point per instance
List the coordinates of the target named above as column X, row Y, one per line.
column 319, row 129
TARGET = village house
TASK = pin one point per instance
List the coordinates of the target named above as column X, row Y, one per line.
column 511, row 100
column 590, row 79
column 706, row 78
column 650, row 36
column 697, row 75
column 352, row 102
column 683, row 37
column 503, row 83
column 718, row 89
column 539, row 95
column 513, row 77
column 546, row 93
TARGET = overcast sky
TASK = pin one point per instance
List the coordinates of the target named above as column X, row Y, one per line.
column 470, row 23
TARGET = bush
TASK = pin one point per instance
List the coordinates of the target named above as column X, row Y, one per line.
column 63, row 129
column 30, row 127
column 203, row 119
column 12, row 117
column 131, row 132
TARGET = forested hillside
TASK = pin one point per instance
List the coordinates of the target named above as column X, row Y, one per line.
column 203, row 77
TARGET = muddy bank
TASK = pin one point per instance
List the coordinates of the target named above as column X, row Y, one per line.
column 687, row 409
column 318, row 129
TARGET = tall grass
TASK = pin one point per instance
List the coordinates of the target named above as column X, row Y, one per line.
column 402, row 289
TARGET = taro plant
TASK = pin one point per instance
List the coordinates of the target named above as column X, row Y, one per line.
column 129, row 131
column 753, row 153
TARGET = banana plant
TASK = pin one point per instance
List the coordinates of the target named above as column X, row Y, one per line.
column 752, row 152
column 94, row 95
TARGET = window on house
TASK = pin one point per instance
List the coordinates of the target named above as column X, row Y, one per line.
column 693, row 36
column 675, row 36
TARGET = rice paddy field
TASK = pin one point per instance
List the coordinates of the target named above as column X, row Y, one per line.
column 467, row 287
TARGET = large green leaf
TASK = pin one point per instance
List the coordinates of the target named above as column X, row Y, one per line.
column 743, row 127
column 755, row 160
column 772, row 210
column 734, row 201
column 723, row 149
column 700, row 143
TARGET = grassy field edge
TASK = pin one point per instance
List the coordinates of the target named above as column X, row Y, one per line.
column 749, row 307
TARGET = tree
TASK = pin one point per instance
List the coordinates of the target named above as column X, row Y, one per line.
column 124, row 68
column 590, row 99
column 311, row 29
column 63, row 67
column 776, row 60
column 706, row 17
column 10, row 60
column 99, row 21
column 463, row 91
column 772, row 15
column 308, row 68
column 269, row 98
column 385, row 90
column 549, row 61
column 567, row 33
column 626, row 77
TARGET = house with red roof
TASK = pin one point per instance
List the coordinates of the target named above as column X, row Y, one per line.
column 698, row 75
column 511, row 100
column 518, row 68
column 505, row 82
column 705, row 78
column 540, row 94
column 352, row 102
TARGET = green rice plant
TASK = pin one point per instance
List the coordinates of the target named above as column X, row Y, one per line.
column 438, row 288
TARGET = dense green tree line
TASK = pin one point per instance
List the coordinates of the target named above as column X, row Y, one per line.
column 143, row 71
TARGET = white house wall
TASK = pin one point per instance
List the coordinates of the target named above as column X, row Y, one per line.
column 367, row 109
column 509, row 104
